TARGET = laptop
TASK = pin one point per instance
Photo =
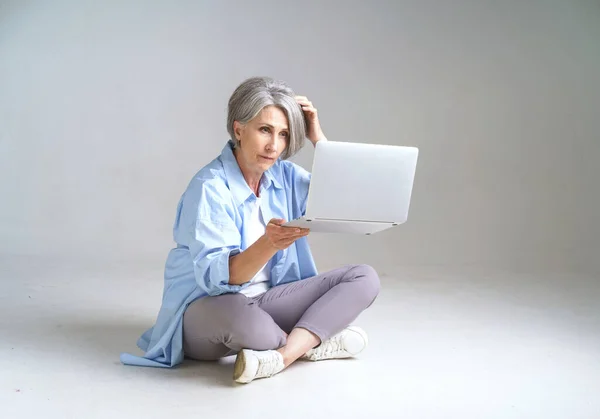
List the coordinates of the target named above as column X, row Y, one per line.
column 358, row 188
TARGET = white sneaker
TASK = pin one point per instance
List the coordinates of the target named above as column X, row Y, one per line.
column 348, row 343
column 250, row 365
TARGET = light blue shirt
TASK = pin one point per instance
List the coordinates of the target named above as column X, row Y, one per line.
column 209, row 227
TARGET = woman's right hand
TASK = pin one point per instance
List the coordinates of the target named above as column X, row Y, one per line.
column 281, row 237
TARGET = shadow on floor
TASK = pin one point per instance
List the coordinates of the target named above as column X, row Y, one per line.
column 99, row 343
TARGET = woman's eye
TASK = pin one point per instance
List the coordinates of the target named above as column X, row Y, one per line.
column 265, row 129
column 285, row 134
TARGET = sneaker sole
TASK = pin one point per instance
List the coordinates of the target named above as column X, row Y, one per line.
column 240, row 366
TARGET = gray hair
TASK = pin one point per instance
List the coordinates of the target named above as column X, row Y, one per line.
column 254, row 94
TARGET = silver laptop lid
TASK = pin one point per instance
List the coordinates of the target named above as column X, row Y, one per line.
column 361, row 182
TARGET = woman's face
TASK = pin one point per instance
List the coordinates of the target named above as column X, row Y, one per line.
column 262, row 140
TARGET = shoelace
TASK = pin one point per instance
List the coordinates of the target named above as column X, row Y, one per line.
column 330, row 346
column 267, row 366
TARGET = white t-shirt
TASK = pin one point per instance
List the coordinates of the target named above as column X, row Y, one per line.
column 255, row 229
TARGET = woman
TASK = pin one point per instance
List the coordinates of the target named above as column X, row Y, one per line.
column 239, row 282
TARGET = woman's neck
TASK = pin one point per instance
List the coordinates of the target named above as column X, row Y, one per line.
column 252, row 178
column 253, row 182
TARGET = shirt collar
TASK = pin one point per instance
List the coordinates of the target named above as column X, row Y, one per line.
column 237, row 184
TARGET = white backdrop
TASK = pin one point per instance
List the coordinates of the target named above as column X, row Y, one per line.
column 108, row 108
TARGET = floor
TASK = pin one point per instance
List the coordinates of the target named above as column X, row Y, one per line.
column 444, row 343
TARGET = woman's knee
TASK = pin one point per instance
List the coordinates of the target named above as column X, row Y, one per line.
column 367, row 276
column 246, row 326
column 231, row 320
column 255, row 330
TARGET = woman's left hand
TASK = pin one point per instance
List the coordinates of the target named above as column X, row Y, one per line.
column 314, row 133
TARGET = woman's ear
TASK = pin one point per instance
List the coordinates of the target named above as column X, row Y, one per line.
column 238, row 129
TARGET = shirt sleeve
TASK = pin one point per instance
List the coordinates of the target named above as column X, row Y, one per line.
column 214, row 239
column 299, row 180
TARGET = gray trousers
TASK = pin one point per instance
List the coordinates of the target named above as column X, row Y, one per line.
column 214, row 327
